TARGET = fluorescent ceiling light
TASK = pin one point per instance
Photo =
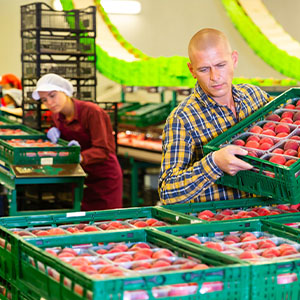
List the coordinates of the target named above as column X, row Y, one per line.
column 57, row 5
column 121, row 6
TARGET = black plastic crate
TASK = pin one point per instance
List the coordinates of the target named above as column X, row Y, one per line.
column 41, row 16
column 81, row 69
column 59, row 44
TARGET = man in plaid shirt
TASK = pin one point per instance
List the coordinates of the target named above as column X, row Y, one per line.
column 214, row 106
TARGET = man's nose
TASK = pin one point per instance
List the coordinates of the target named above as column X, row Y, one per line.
column 214, row 74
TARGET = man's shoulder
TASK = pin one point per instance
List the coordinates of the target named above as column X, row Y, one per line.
column 185, row 106
column 247, row 88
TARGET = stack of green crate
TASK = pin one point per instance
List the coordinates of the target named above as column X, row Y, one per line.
column 26, row 267
column 269, row 278
column 52, row 278
column 25, row 264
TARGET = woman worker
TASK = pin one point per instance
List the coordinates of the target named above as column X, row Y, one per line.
column 11, row 91
column 86, row 125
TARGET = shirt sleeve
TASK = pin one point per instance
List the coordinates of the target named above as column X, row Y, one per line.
column 182, row 179
column 97, row 126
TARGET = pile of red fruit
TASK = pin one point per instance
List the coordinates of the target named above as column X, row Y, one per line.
column 231, row 214
column 8, row 131
column 139, row 140
column 147, row 222
column 30, row 143
column 282, row 125
column 120, row 259
column 84, row 228
column 251, row 246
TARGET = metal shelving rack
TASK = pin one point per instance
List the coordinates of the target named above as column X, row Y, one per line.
column 61, row 42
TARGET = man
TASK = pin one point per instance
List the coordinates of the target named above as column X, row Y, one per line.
column 215, row 105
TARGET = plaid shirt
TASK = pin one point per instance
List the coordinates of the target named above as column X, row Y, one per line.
column 186, row 175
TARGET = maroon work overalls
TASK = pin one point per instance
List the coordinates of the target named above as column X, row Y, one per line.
column 104, row 182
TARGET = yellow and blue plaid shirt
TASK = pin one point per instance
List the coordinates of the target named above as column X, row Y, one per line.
column 186, row 174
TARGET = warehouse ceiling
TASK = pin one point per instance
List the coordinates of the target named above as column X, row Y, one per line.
column 125, row 64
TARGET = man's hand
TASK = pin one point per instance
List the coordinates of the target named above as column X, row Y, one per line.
column 226, row 160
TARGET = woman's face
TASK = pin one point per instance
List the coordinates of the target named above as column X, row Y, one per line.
column 54, row 100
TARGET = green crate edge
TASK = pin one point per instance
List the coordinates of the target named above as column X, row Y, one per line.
column 13, row 154
column 285, row 191
column 6, row 263
column 238, row 272
column 261, row 281
column 31, row 132
column 183, row 209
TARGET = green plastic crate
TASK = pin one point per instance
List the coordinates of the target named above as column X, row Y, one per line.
column 11, row 292
column 263, row 281
column 34, row 263
column 7, row 267
column 285, row 185
column 147, row 114
column 5, row 121
column 91, row 217
column 193, row 209
column 124, row 107
column 60, row 154
column 26, row 132
column 286, row 223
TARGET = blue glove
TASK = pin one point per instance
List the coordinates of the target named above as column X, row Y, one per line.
column 53, row 134
column 74, row 143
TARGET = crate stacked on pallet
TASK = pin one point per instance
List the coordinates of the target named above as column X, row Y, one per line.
column 61, row 42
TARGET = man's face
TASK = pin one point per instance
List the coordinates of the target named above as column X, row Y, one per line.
column 213, row 68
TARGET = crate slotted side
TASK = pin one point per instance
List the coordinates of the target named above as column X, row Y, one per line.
column 233, row 275
column 263, row 278
column 42, row 16
column 7, row 267
column 61, row 153
column 285, row 185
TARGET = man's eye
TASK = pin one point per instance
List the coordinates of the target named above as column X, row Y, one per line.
column 203, row 70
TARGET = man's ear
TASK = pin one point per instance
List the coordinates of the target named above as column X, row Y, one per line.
column 235, row 58
column 191, row 69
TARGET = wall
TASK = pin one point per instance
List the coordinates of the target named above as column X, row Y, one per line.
column 10, row 26
column 162, row 29
column 165, row 27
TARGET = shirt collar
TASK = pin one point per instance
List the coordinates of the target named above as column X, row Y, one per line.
column 206, row 100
